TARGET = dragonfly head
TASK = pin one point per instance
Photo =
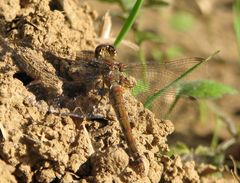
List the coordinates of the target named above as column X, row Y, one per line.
column 105, row 51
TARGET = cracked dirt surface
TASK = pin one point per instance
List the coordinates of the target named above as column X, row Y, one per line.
column 39, row 144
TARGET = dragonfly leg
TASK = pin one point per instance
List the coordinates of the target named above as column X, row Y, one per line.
column 65, row 113
column 76, row 115
column 101, row 93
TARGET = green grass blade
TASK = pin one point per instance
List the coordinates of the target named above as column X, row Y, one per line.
column 129, row 22
column 236, row 11
column 153, row 97
column 172, row 107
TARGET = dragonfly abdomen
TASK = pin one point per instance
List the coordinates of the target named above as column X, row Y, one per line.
column 117, row 95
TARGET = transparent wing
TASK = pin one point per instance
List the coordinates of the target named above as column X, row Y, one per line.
column 153, row 77
column 150, row 77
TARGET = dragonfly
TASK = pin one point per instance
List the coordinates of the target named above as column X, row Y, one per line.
column 102, row 62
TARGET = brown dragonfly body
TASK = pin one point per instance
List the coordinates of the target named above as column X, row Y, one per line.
column 114, row 78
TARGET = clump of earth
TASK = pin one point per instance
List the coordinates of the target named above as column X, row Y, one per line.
column 41, row 141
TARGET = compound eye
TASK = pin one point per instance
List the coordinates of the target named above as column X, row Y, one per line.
column 105, row 51
column 111, row 48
